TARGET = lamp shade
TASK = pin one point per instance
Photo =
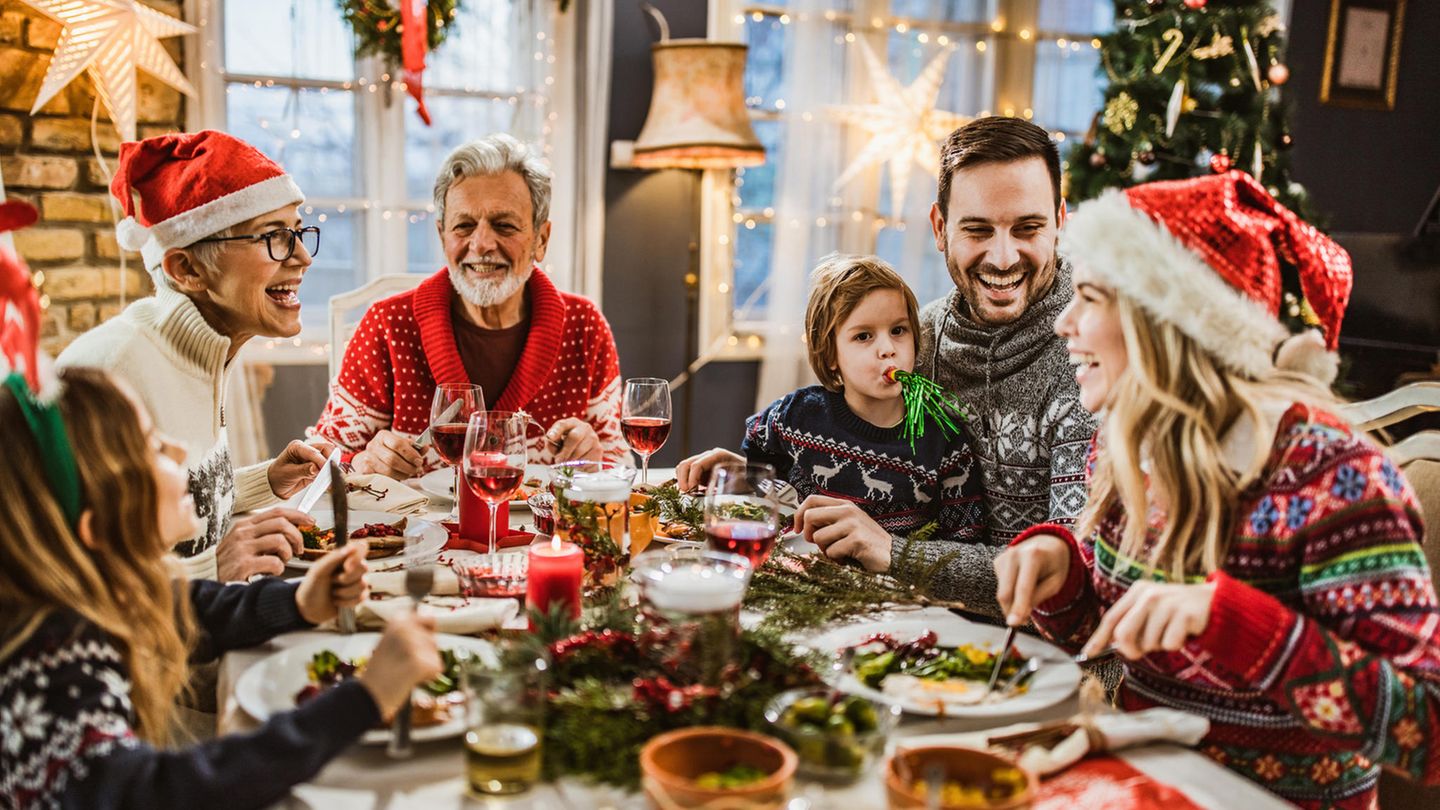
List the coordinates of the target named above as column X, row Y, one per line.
column 697, row 117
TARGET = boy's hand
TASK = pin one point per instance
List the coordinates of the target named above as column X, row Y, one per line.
column 843, row 530
column 694, row 471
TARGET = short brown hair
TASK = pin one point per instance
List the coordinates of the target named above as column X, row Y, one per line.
column 996, row 139
column 837, row 285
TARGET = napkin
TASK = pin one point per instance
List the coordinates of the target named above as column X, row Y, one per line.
column 382, row 493
column 453, row 614
column 392, row 583
column 1096, row 732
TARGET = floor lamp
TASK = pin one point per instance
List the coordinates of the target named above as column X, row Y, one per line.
column 697, row 120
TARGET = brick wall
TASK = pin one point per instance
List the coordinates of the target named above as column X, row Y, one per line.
column 48, row 160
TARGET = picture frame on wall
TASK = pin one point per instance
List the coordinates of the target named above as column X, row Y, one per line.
column 1362, row 53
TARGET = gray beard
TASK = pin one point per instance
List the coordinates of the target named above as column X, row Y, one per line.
column 489, row 293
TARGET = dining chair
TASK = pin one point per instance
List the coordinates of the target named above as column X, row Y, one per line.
column 347, row 308
column 1395, row 406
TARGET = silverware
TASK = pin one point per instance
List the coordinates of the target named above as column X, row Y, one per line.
column 345, row 622
column 934, row 783
column 419, row 581
column 423, row 440
column 312, row 493
column 1000, row 660
column 1100, row 656
column 1023, row 674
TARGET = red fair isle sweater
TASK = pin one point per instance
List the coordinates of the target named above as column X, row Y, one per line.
column 1321, row 658
column 405, row 346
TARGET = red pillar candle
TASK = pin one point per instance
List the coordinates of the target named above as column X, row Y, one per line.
column 556, row 570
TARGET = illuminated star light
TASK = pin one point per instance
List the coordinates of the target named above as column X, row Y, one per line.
column 111, row 38
column 904, row 125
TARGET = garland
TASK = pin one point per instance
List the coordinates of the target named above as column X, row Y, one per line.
column 377, row 26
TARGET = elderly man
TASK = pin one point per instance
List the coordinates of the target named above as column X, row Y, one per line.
column 490, row 318
column 218, row 226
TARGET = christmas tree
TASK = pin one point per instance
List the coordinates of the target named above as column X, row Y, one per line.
column 1194, row 87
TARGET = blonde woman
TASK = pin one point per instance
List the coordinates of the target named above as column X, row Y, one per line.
column 95, row 637
column 1252, row 558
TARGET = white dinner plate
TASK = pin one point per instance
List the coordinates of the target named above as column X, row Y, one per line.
column 440, row 483
column 432, row 536
column 269, row 687
column 1056, row 680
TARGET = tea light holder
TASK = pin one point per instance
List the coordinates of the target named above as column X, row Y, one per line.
column 690, row 603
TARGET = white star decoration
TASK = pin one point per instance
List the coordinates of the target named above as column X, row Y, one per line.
column 903, row 122
column 111, row 38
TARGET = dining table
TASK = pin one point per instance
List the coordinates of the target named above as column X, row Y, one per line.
column 364, row 777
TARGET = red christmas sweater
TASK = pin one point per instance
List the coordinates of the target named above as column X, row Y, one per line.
column 1321, row 658
column 405, row 346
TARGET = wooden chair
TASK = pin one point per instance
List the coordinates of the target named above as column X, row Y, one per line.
column 347, row 308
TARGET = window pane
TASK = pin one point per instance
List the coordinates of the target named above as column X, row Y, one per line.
column 1067, row 90
column 950, row 10
column 422, row 244
column 1076, row 16
column 765, row 61
column 913, row 255
column 757, row 183
column 752, row 269
column 336, row 268
column 485, row 49
column 310, row 132
column 302, row 38
column 456, row 119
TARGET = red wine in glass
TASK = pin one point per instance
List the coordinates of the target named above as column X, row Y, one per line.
column 494, row 484
column 751, row 539
column 450, row 441
column 645, row 434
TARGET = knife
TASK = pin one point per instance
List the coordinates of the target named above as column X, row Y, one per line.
column 423, row 440
column 312, row 493
column 346, row 620
column 1000, row 659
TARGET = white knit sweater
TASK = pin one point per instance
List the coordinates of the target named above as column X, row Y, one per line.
column 164, row 349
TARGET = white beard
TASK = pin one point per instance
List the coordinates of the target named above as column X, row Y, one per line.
column 489, row 293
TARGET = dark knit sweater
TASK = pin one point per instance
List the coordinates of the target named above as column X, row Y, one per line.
column 66, row 721
column 822, row 447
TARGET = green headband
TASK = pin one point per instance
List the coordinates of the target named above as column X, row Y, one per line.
column 55, row 451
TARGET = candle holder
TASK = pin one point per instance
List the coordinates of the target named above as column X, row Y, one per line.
column 690, row 609
column 592, row 505
column 542, row 513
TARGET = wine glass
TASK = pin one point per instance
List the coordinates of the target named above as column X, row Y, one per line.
column 741, row 516
column 645, row 418
column 450, row 412
column 494, row 458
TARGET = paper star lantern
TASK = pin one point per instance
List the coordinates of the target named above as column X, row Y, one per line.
column 904, row 125
column 110, row 38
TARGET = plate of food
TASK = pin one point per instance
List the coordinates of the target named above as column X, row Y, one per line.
column 384, row 532
column 441, row 484
column 288, row 678
column 680, row 517
column 937, row 664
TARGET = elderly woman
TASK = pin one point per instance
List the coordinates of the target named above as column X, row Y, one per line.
column 1253, row 559
column 218, row 225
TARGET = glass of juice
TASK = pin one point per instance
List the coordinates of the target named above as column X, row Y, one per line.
column 506, row 690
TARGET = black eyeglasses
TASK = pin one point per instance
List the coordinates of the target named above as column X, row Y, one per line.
column 279, row 243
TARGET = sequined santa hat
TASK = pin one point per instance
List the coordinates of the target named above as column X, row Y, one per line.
column 193, row 185
column 1205, row 255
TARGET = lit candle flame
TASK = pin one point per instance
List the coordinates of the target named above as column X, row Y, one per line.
column 555, row 544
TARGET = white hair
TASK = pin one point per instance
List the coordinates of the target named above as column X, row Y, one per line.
column 491, row 155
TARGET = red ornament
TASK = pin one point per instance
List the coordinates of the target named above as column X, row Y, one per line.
column 1220, row 163
column 1097, row 159
column 1195, row 5
column 1278, row 74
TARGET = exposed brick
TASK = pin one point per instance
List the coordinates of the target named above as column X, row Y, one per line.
column 157, row 102
column 21, row 73
column 82, row 316
column 12, row 130
column 50, row 325
column 49, row 244
column 108, row 311
column 12, row 26
column 137, row 283
column 70, row 206
column 107, row 248
column 72, row 135
column 75, row 283
column 44, row 33
column 39, row 171
column 152, row 130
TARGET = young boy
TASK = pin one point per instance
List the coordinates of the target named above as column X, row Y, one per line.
column 841, row 443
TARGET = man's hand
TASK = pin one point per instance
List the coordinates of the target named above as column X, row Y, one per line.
column 843, row 530
column 389, row 453
column 336, row 581
column 574, row 440
column 296, row 466
column 260, row 543
column 1153, row 617
column 694, row 471
column 1030, row 573
column 406, row 657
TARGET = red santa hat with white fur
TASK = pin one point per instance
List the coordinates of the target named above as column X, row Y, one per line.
column 1205, row 255
column 193, row 185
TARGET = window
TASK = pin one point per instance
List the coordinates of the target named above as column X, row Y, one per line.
column 805, row 59
column 289, row 83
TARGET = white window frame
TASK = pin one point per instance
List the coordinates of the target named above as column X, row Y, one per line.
column 1010, row 60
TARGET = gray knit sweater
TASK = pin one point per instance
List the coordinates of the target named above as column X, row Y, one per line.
column 1029, row 432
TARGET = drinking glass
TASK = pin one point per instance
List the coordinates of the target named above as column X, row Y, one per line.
column 645, row 418
column 690, row 603
column 505, row 690
column 741, row 516
column 450, row 412
column 592, row 504
column 495, row 452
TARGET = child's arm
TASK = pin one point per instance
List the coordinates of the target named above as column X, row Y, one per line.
column 764, row 442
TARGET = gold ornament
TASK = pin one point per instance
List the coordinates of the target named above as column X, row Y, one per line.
column 1269, row 25
column 1189, row 104
column 1120, row 113
column 1218, row 47
column 1176, row 39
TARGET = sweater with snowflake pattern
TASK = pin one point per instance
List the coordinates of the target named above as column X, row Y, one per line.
column 1320, row 660
column 822, row 447
column 67, row 735
column 405, row 346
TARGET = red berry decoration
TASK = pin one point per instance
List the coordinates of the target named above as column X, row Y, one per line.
column 1278, row 74
column 1220, row 163
column 1195, row 5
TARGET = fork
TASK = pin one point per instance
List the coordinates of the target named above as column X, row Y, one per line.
column 419, row 581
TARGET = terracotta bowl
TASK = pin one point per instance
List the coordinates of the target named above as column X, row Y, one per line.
column 670, row 763
column 965, row 765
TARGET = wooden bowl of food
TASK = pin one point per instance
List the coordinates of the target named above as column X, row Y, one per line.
column 968, row 779
column 711, row 766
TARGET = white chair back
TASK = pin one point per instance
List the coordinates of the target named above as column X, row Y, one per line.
column 347, row 308
column 1396, row 406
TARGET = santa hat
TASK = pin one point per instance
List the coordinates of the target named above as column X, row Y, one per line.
column 193, row 185
column 1204, row 254
column 19, row 303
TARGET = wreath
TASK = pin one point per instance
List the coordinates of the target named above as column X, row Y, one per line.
column 377, row 26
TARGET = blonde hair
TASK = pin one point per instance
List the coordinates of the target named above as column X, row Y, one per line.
column 1171, row 407
column 122, row 584
column 838, row 284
